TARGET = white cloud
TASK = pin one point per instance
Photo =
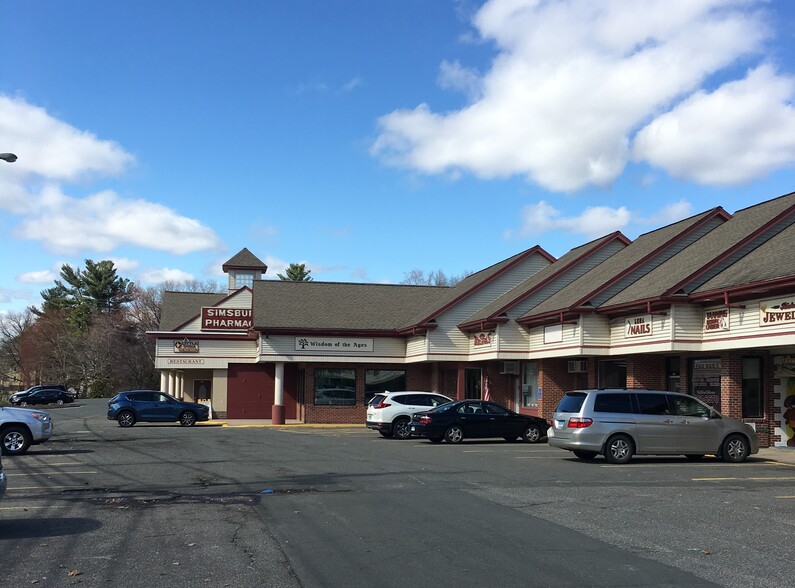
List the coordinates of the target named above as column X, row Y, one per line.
column 743, row 130
column 124, row 265
column 104, row 221
column 593, row 222
column 158, row 276
column 670, row 214
column 53, row 149
column 452, row 75
column 573, row 81
column 38, row 277
column 52, row 153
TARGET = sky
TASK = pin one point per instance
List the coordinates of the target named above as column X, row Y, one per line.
column 367, row 139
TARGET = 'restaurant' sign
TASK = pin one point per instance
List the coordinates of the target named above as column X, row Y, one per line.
column 227, row 319
column 775, row 312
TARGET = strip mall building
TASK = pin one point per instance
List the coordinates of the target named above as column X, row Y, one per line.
column 704, row 306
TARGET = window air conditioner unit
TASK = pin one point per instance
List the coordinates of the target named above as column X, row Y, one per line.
column 509, row 367
column 578, row 366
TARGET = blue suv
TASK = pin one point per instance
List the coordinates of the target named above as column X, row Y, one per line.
column 128, row 408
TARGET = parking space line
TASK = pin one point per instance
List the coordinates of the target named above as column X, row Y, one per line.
column 750, row 479
column 49, row 473
column 537, row 457
column 786, row 497
column 19, row 488
column 27, row 507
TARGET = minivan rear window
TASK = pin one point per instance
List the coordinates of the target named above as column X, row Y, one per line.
column 613, row 403
column 571, row 402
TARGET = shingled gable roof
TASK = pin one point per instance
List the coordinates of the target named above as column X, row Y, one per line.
column 731, row 246
column 642, row 250
column 180, row 307
column 765, row 269
column 333, row 307
column 491, row 313
column 468, row 286
column 244, row 259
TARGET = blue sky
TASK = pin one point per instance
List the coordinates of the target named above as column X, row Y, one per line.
column 367, row 139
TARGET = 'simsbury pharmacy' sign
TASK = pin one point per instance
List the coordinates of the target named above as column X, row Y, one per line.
column 333, row 344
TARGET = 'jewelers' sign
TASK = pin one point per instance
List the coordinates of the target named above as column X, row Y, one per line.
column 227, row 319
column 347, row 344
column 774, row 312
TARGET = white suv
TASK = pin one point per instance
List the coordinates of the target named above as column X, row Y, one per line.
column 389, row 413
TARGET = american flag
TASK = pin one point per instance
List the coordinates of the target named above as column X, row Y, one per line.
column 486, row 393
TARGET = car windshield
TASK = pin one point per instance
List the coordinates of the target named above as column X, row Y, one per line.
column 571, row 402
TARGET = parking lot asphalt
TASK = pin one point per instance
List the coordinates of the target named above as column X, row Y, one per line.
column 252, row 503
column 778, row 454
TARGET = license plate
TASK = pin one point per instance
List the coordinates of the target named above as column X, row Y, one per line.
column 413, row 428
column 559, row 424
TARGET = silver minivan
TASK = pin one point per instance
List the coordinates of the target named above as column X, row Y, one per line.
column 621, row 423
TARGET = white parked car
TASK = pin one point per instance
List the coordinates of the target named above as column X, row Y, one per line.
column 22, row 427
column 389, row 413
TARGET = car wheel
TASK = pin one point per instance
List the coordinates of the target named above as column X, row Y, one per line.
column 386, row 434
column 125, row 418
column 16, row 440
column 735, row 449
column 585, row 455
column 532, row 434
column 435, row 439
column 23, row 403
column 187, row 419
column 695, row 456
column 59, row 402
column 619, row 449
column 454, row 434
column 400, row 429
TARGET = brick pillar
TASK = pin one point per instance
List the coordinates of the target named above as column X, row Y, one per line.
column 731, row 385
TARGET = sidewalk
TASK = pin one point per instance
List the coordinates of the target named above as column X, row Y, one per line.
column 785, row 455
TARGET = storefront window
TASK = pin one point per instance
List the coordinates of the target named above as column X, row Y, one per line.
column 613, row 373
column 472, row 380
column 672, row 369
column 335, row 387
column 705, row 380
column 376, row 381
column 752, row 387
column 530, row 384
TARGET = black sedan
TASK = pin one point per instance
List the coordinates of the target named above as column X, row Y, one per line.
column 43, row 396
column 476, row 419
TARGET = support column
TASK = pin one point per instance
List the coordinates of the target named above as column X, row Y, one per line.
column 164, row 381
column 171, row 377
column 277, row 414
column 181, row 385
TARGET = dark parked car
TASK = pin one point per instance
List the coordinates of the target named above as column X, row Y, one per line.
column 127, row 408
column 476, row 419
column 41, row 396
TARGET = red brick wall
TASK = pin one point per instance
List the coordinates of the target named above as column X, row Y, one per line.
column 647, row 372
column 554, row 380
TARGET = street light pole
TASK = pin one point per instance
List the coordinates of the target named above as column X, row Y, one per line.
column 9, row 157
